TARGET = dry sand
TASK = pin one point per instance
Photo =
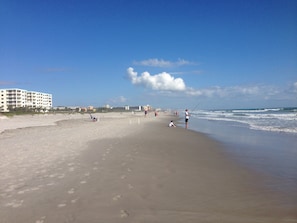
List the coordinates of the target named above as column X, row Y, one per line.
column 124, row 168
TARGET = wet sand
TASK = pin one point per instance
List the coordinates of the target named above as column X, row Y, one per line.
column 127, row 168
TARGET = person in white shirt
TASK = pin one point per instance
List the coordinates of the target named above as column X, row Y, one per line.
column 187, row 116
column 171, row 124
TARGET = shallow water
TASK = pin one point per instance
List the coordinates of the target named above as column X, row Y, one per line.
column 273, row 154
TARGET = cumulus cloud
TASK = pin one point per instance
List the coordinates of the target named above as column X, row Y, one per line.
column 163, row 81
column 154, row 62
column 166, row 83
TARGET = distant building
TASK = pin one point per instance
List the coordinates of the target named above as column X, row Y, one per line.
column 147, row 107
column 19, row 98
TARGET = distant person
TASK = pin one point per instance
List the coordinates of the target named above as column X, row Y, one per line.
column 171, row 124
column 94, row 119
column 187, row 117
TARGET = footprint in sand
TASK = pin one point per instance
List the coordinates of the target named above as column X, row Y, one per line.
column 61, row 176
column 124, row 214
column 22, row 191
column 73, row 201
column 11, row 188
column 52, row 175
column 36, row 188
column 41, row 220
column 123, row 177
column 130, row 157
column 83, row 182
column 130, row 186
column 71, row 191
column 117, row 197
column 61, row 205
column 95, row 165
column 135, row 151
column 15, row 203
column 30, row 189
column 71, row 167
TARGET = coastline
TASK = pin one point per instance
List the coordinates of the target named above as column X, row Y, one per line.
column 271, row 154
column 127, row 168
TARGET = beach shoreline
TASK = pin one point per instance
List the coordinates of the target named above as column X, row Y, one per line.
column 126, row 168
column 271, row 154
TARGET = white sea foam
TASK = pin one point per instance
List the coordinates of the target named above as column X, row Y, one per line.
column 276, row 120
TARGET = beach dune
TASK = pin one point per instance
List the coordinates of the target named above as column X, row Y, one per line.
column 125, row 168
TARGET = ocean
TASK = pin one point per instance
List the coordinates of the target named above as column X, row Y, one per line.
column 263, row 140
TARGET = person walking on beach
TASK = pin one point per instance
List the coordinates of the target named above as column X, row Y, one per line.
column 187, row 116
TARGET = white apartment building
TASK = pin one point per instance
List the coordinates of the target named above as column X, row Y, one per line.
column 18, row 98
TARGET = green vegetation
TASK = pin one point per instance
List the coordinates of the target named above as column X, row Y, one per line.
column 22, row 111
column 31, row 111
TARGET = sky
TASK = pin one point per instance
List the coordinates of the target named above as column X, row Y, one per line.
column 195, row 54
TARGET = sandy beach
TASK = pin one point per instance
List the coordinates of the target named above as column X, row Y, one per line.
column 125, row 168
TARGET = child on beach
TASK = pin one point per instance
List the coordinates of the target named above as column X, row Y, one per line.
column 171, row 124
column 94, row 119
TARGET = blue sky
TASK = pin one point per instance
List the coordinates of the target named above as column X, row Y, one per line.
column 169, row 54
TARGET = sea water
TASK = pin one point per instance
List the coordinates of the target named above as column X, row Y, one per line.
column 264, row 140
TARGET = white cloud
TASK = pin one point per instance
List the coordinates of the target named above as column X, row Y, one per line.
column 295, row 87
column 122, row 99
column 118, row 100
column 163, row 81
column 235, row 91
column 154, row 62
column 191, row 72
column 7, row 83
column 166, row 82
